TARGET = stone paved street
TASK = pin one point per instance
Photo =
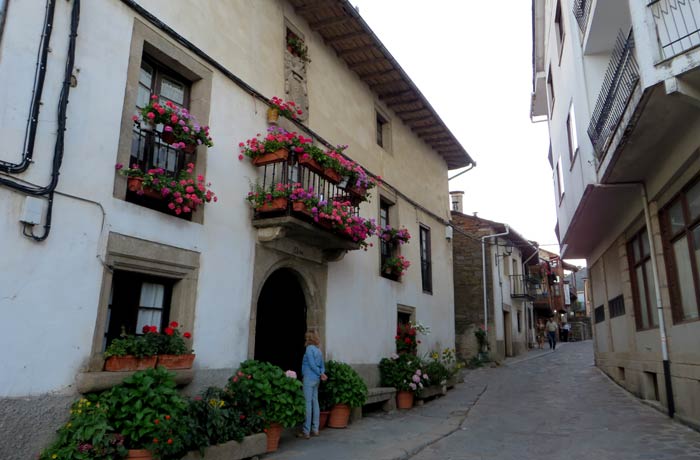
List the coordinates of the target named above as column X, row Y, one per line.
column 543, row 406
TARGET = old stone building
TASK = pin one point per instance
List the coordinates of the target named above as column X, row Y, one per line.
column 88, row 254
column 501, row 272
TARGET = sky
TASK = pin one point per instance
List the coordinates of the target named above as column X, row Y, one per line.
column 473, row 62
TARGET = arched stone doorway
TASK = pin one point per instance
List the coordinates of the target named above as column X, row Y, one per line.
column 281, row 321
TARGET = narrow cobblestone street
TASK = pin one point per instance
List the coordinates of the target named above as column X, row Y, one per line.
column 540, row 406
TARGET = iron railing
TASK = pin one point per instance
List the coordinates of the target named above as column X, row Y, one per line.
column 677, row 25
column 148, row 151
column 582, row 9
column 619, row 82
column 290, row 172
column 520, row 288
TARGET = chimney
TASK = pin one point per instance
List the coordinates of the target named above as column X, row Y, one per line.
column 456, row 198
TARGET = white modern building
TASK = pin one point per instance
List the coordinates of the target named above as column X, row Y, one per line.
column 618, row 82
column 84, row 257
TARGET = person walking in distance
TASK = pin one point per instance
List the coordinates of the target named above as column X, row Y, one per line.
column 313, row 372
column 552, row 327
column 540, row 334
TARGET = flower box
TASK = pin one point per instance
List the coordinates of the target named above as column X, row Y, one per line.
column 271, row 157
column 176, row 361
column 300, row 206
column 311, row 164
column 276, row 205
column 331, row 175
column 135, row 184
column 129, row 363
column 357, row 192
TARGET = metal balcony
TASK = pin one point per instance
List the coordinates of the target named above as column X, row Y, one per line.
column 677, row 25
column 582, row 9
column 520, row 288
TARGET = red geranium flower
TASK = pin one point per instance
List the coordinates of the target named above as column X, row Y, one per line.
column 187, row 335
column 169, row 331
column 174, row 324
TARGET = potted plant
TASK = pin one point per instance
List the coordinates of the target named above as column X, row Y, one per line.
column 394, row 236
column 273, row 147
column 87, row 434
column 149, row 413
column 180, row 128
column 183, row 193
column 297, row 47
column 482, row 340
column 395, row 266
column 338, row 216
column 271, row 199
column 324, row 404
column 130, row 353
column 403, row 372
column 345, row 389
column 303, row 199
column 265, row 389
column 173, row 352
column 406, row 339
column 279, row 106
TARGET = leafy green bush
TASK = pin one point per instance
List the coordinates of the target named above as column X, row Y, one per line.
column 344, row 385
column 216, row 419
column 404, row 372
column 437, row 372
column 135, row 345
column 87, row 435
column 262, row 389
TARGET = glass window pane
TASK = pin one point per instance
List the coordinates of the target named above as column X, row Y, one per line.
column 675, row 216
column 693, row 197
column 651, row 288
column 143, row 96
column 684, row 274
column 635, row 248
column 146, row 75
column 643, row 310
column 152, row 295
column 172, row 90
column 148, row 317
column 644, row 240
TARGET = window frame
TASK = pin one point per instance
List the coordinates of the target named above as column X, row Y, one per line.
column 559, row 29
column 146, row 41
column 571, row 132
column 560, row 181
column 633, row 264
column 426, row 264
column 669, row 238
column 550, row 91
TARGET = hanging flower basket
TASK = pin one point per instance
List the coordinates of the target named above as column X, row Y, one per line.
column 271, row 157
column 276, row 205
column 135, row 184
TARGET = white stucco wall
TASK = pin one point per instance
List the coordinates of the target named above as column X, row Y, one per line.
column 50, row 291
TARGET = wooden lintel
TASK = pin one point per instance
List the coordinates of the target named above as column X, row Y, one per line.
column 357, row 49
column 330, row 22
column 340, row 38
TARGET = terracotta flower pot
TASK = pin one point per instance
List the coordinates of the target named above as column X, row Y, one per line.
column 332, row 175
column 176, row 361
column 323, row 419
column 340, row 414
column 140, row 454
column 274, row 431
column 404, row 399
column 276, row 205
column 273, row 115
column 300, row 206
column 129, row 363
column 271, row 157
column 311, row 164
column 135, row 184
column 168, row 137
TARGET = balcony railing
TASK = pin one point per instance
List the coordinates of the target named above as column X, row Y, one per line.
column 677, row 25
column 582, row 9
column 149, row 151
column 520, row 287
column 620, row 80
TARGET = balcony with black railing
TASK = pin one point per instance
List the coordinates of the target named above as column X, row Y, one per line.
column 303, row 203
column 621, row 78
column 582, row 10
column 677, row 25
column 520, row 288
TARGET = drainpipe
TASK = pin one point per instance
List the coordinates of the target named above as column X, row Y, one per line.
column 655, row 275
column 483, row 268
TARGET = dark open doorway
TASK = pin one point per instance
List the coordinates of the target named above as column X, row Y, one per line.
column 281, row 321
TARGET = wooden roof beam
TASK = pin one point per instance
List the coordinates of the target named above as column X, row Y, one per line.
column 330, row 22
column 310, row 6
column 356, row 49
column 359, row 64
column 406, row 116
column 373, row 75
column 342, row 38
column 397, row 94
column 397, row 78
column 420, row 120
column 406, row 111
column 430, row 137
